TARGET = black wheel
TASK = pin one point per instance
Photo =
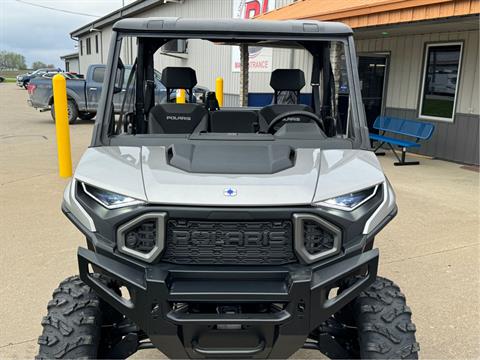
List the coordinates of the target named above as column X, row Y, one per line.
column 79, row 325
column 72, row 111
column 72, row 327
column 383, row 321
column 86, row 116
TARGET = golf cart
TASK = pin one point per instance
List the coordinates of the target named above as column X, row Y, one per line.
column 230, row 232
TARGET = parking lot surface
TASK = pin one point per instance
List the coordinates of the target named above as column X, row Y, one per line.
column 431, row 249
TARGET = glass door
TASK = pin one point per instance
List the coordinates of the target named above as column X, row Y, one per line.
column 372, row 70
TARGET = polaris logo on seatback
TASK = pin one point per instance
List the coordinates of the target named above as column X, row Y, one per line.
column 292, row 119
column 179, row 118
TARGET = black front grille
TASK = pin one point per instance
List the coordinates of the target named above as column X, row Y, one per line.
column 229, row 242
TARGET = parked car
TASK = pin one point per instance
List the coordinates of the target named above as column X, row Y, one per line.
column 84, row 94
column 24, row 79
column 2, row 79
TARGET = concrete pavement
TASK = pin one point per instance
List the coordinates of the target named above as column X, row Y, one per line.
column 431, row 249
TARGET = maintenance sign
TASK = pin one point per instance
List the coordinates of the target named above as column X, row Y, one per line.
column 260, row 59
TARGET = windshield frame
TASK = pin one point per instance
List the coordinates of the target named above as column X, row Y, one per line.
column 358, row 132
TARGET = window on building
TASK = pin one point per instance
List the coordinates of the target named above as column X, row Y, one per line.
column 67, row 66
column 96, row 44
column 98, row 74
column 440, row 81
column 89, row 46
column 81, row 47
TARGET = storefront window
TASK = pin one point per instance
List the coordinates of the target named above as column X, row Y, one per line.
column 440, row 83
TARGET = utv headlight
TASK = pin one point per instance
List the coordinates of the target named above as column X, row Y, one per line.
column 109, row 199
column 350, row 201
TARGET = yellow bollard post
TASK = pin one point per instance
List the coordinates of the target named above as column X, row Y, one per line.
column 181, row 96
column 61, row 122
column 219, row 90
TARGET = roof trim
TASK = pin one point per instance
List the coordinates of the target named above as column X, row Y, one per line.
column 358, row 9
column 375, row 12
column 70, row 56
column 129, row 10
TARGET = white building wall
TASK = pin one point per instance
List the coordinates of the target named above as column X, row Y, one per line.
column 73, row 65
column 93, row 57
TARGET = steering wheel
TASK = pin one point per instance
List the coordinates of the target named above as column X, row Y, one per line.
column 311, row 116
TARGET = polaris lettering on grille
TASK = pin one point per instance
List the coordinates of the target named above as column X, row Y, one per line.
column 229, row 242
column 238, row 238
column 178, row 118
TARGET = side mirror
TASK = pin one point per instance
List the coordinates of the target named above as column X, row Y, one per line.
column 119, row 75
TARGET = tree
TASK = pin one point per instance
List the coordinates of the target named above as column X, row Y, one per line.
column 12, row 60
column 38, row 65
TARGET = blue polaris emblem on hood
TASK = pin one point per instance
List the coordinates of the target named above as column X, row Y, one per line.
column 230, row 192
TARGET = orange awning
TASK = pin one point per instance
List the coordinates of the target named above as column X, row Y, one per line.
column 363, row 13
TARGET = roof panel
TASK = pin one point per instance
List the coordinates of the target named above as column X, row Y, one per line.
column 232, row 26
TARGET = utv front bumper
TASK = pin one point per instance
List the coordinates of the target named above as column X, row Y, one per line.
column 229, row 312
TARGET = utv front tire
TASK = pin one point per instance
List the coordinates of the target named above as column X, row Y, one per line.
column 383, row 320
column 72, row 327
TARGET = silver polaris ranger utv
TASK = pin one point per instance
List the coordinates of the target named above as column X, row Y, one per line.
column 231, row 232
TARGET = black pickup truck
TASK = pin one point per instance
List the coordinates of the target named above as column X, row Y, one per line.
column 84, row 94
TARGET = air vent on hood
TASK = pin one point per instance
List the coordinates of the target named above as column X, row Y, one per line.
column 231, row 159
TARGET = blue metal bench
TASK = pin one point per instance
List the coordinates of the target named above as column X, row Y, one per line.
column 410, row 128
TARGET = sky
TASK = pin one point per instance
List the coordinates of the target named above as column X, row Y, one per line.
column 42, row 34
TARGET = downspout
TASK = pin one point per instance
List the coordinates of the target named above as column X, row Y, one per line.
column 78, row 50
column 101, row 47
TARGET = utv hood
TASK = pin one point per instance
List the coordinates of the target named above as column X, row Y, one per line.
column 147, row 173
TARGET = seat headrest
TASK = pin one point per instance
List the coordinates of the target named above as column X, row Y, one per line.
column 179, row 77
column 287, row 80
